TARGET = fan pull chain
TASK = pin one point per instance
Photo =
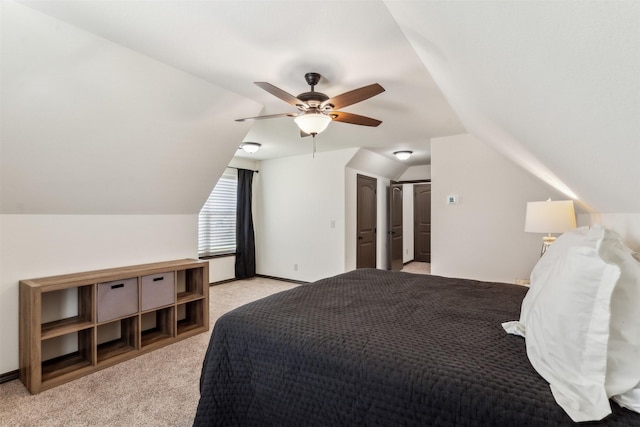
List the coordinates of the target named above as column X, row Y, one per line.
column 313, row 135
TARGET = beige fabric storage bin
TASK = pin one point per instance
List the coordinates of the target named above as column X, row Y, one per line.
column 158, row 290
column 117, row 299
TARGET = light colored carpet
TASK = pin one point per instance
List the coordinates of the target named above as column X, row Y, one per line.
column 417, row 267
column 156, row 389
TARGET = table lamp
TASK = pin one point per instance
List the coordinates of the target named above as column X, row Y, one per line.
column 549, row 217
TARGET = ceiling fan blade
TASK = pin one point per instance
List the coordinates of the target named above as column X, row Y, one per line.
column 286, row 97
column 270, row 116
column 353, row 96
column 354, row 119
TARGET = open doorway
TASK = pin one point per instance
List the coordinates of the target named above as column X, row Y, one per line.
column 409, row 226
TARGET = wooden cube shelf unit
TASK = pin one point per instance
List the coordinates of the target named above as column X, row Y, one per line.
column 75, row 324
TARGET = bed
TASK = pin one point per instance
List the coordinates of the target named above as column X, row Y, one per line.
column 375, row 347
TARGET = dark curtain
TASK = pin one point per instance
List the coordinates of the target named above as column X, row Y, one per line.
column 245, row 239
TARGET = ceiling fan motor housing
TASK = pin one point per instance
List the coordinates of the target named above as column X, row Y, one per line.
column 313, row 99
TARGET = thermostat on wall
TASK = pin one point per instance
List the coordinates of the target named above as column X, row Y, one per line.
column 452, row 199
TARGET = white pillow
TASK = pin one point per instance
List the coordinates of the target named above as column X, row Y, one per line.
column 582, row 324
column 537, row 280
column 623, row 361
column 567, row 328
column 556, row 251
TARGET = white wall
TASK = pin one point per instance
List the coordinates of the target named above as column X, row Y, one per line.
column 416, row 173
column 91, row 127
column 408, row 246
column 482, row 236
column 45, row 245
column 222, row 268
column 368, row 161
column 627, row 225
column 302, row 222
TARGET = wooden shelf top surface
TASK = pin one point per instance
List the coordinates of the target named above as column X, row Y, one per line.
column 106, row 275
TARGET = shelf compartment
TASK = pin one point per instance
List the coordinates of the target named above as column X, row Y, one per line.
column 117, row 338
column 157, row 326
column 191, row 316
column 190, row 284
column 64, row 326
column 63, row 364
column 65, row 311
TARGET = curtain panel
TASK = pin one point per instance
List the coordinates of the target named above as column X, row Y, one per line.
column 245, row 237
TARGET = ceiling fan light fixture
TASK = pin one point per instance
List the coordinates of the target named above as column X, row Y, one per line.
column 312, row 123
column 250, row 147
column 403, row 155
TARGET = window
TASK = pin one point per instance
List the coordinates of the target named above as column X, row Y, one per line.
column 217, row 219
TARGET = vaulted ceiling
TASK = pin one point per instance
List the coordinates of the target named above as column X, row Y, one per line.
column 552, row 85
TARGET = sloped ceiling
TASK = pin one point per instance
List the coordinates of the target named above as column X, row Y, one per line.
column 89, row 127
column 552, row 85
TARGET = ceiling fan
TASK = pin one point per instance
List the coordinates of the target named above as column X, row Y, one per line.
column 316, row 110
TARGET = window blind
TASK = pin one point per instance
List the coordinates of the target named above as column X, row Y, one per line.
column 217, row 219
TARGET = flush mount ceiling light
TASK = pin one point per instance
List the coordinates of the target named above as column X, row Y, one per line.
column 250, row 147
column 312, row 123
column 403, row 155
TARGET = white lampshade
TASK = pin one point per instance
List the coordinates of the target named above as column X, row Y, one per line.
column 550, row 216
column 312, row 123
column 250, row 147
column 403, row 155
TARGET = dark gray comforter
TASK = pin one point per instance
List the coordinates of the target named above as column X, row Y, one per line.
column 374, row 347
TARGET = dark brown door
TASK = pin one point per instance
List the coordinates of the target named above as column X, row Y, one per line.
column 367, row 218
column 395, row 227
column 422, row 220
